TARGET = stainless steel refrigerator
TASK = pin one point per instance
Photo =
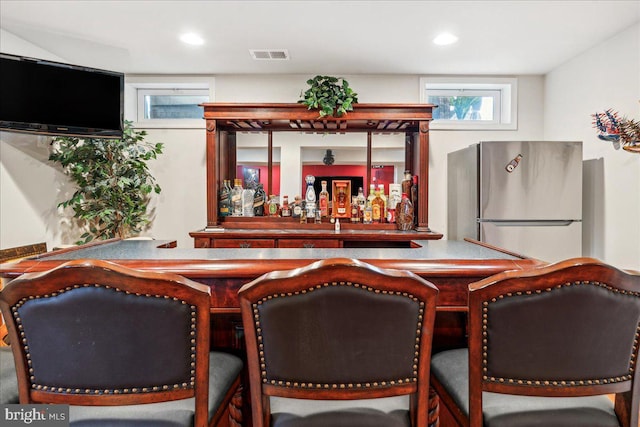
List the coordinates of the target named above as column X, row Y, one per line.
column 524, row 196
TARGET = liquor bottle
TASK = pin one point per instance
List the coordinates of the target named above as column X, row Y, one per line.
column 341, row 203
column 395, row 195
column 236, row 198
column 259, row 199
column 367, row 218
column 385, row 200
column 303, row 212
column 414, row 198
column 285, row 211
column 407, row 182
column 355, row 216
column 310, row 196
column 224, row 203
column 323, row 200
column 318, row 217
column 362, row 201
column 372, row 192
column 377, row 207
column 273, row 205
column 296, row 209
column 404, row 214
column 247, row 201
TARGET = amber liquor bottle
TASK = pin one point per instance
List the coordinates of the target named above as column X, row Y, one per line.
column 355, row 210
column 323, row 200
column 377, row 208
column 341, row 205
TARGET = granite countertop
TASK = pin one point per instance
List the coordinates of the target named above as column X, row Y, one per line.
column 149, row 250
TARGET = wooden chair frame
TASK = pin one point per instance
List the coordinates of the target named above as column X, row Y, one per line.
column 79, row 273
column 325, row 273
column 574, row 272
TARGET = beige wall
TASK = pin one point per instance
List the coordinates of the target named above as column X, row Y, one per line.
column 605, row 76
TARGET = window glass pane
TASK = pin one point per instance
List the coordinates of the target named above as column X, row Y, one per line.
column 464, row 107
column 174, row 106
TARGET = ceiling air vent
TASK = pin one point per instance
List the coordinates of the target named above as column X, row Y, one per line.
column 269, row 54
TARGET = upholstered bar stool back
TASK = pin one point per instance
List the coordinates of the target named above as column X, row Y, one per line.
column 339, row 329
column 566, row 330
column 91, row 333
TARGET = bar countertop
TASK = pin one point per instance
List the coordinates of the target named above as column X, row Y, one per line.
column 432, row 256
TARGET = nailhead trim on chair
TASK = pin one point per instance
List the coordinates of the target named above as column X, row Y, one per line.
column 149, row 389
column 311, row 385
column 556, row 383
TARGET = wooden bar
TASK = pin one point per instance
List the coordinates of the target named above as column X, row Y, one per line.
column 450, row 265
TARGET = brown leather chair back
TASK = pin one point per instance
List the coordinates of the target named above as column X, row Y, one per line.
column 338, row 329
column 569, row 329
column 94, row 333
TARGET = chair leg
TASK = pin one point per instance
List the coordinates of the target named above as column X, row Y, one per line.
column 434, row 409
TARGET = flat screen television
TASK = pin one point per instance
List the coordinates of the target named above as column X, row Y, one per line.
column 52, row 98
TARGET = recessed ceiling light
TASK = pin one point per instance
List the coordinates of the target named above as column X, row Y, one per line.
column 445, row 39
column 192, row 38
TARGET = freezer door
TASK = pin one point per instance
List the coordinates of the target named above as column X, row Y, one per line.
column 530, row 180
column 545, row 240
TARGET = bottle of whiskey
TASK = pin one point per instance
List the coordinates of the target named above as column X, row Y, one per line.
column 236, row 198
column 273, row 205
column 224, row 203
column 372, row 192
column 377, row 207
column 407, row 182
column 385, row 200
column 258, row 200
column 285, row 210
column 341, row 203
column 296, row 209
column 323, row 200
column 355, row 210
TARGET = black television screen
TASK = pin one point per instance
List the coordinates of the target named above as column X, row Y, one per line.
column 60, row 99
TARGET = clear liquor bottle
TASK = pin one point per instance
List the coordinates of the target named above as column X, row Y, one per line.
column 367, row 218
column 247, row 201
column 236, row 198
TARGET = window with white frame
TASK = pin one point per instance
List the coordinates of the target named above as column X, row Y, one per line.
column 471, row 103
column 171, row 104
column 167, row 102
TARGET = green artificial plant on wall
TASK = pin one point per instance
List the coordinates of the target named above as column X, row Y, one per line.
column 332, row 96
column 113, row 182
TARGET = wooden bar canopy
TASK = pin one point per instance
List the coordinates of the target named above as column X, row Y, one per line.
column 225, row 120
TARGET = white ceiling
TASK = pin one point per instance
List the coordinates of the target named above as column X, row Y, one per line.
column 322, row 37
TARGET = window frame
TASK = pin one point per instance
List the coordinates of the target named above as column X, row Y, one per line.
column 507, row 101
column 136, row 87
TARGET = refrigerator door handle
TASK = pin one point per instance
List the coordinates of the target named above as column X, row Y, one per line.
column 529, row 223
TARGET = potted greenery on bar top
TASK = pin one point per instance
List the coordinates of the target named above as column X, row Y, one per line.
column 332, row 96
